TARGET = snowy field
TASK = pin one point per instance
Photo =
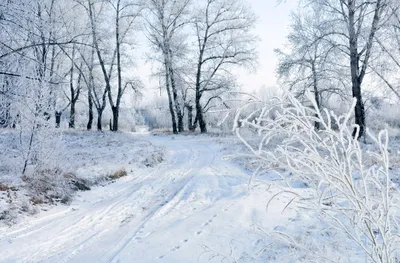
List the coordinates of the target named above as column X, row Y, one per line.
column 89, row 158
column 184, row 200
column 194, row 207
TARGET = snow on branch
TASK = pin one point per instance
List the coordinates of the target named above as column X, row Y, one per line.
column 350, row 186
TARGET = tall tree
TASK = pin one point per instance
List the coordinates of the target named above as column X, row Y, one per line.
column 126, row 13
column 224, row 39
column 353, row 25
column 310, row 62
column 36, row 31
column 387, row 66
column 165, row 25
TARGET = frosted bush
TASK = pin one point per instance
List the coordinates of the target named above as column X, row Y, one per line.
column 351, row 195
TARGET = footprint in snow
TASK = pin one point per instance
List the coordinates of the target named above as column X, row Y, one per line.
column 138, row 239
column 207, row 223
column 185, row 240
column 198, row 232
column 175, row 248
column 227, row 208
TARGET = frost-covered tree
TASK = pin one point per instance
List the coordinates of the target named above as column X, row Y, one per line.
column 387, row 64
column 32, row 74
column 223, row 39
column 110, row 48
column 310, row 62
column 351, row 27
column 165, row 26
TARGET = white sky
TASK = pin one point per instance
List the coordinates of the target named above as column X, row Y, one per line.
column 272, row 28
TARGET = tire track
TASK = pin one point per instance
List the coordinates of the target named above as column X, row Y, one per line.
column 129, row 237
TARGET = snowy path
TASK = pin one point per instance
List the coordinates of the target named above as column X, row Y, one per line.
column 195, row 200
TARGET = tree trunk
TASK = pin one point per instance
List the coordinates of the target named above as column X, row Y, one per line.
column 99, row 119
column 170, row 102
column 316, row 94
column 58, row 118
column 355, row 73
column 191, row 125
column 90, row 121
column 115, row 111
column 199, row 108
column 176, row 100
column 71, row 123
column 359, row 109
column 200, row 116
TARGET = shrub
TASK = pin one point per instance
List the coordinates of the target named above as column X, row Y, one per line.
column 3, row 187
column 118, row 174
column 356, row 199
column 153, row 160
column 48, row 185
column 51, row 185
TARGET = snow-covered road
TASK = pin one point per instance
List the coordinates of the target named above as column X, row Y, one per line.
column 194, row 206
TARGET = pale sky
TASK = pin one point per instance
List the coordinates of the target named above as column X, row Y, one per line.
column 272, row 29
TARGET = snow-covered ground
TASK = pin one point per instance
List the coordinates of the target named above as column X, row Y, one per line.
column 90, row 158
column 194, row 207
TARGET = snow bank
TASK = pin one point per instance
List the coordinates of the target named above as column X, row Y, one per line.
column 87, row 159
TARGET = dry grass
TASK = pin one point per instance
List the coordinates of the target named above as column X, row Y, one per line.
column 165, row 130
column 118, row 174
column 4, row 187
column 36, row 200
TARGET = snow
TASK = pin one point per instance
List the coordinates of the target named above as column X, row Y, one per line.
column 91, row 156
column 194, row 207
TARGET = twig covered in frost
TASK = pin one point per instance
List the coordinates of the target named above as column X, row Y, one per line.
column 350, row 187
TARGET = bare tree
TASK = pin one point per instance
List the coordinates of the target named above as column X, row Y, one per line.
column 224, row 39
column 353, row 25
column 37, row 33
column 97, row 96
column 310, row 63
column 387, row 65
column 165, row 25
column 125, row 14
column 125, row 11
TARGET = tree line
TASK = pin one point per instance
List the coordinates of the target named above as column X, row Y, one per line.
column 55, row 54
column 339, row 48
